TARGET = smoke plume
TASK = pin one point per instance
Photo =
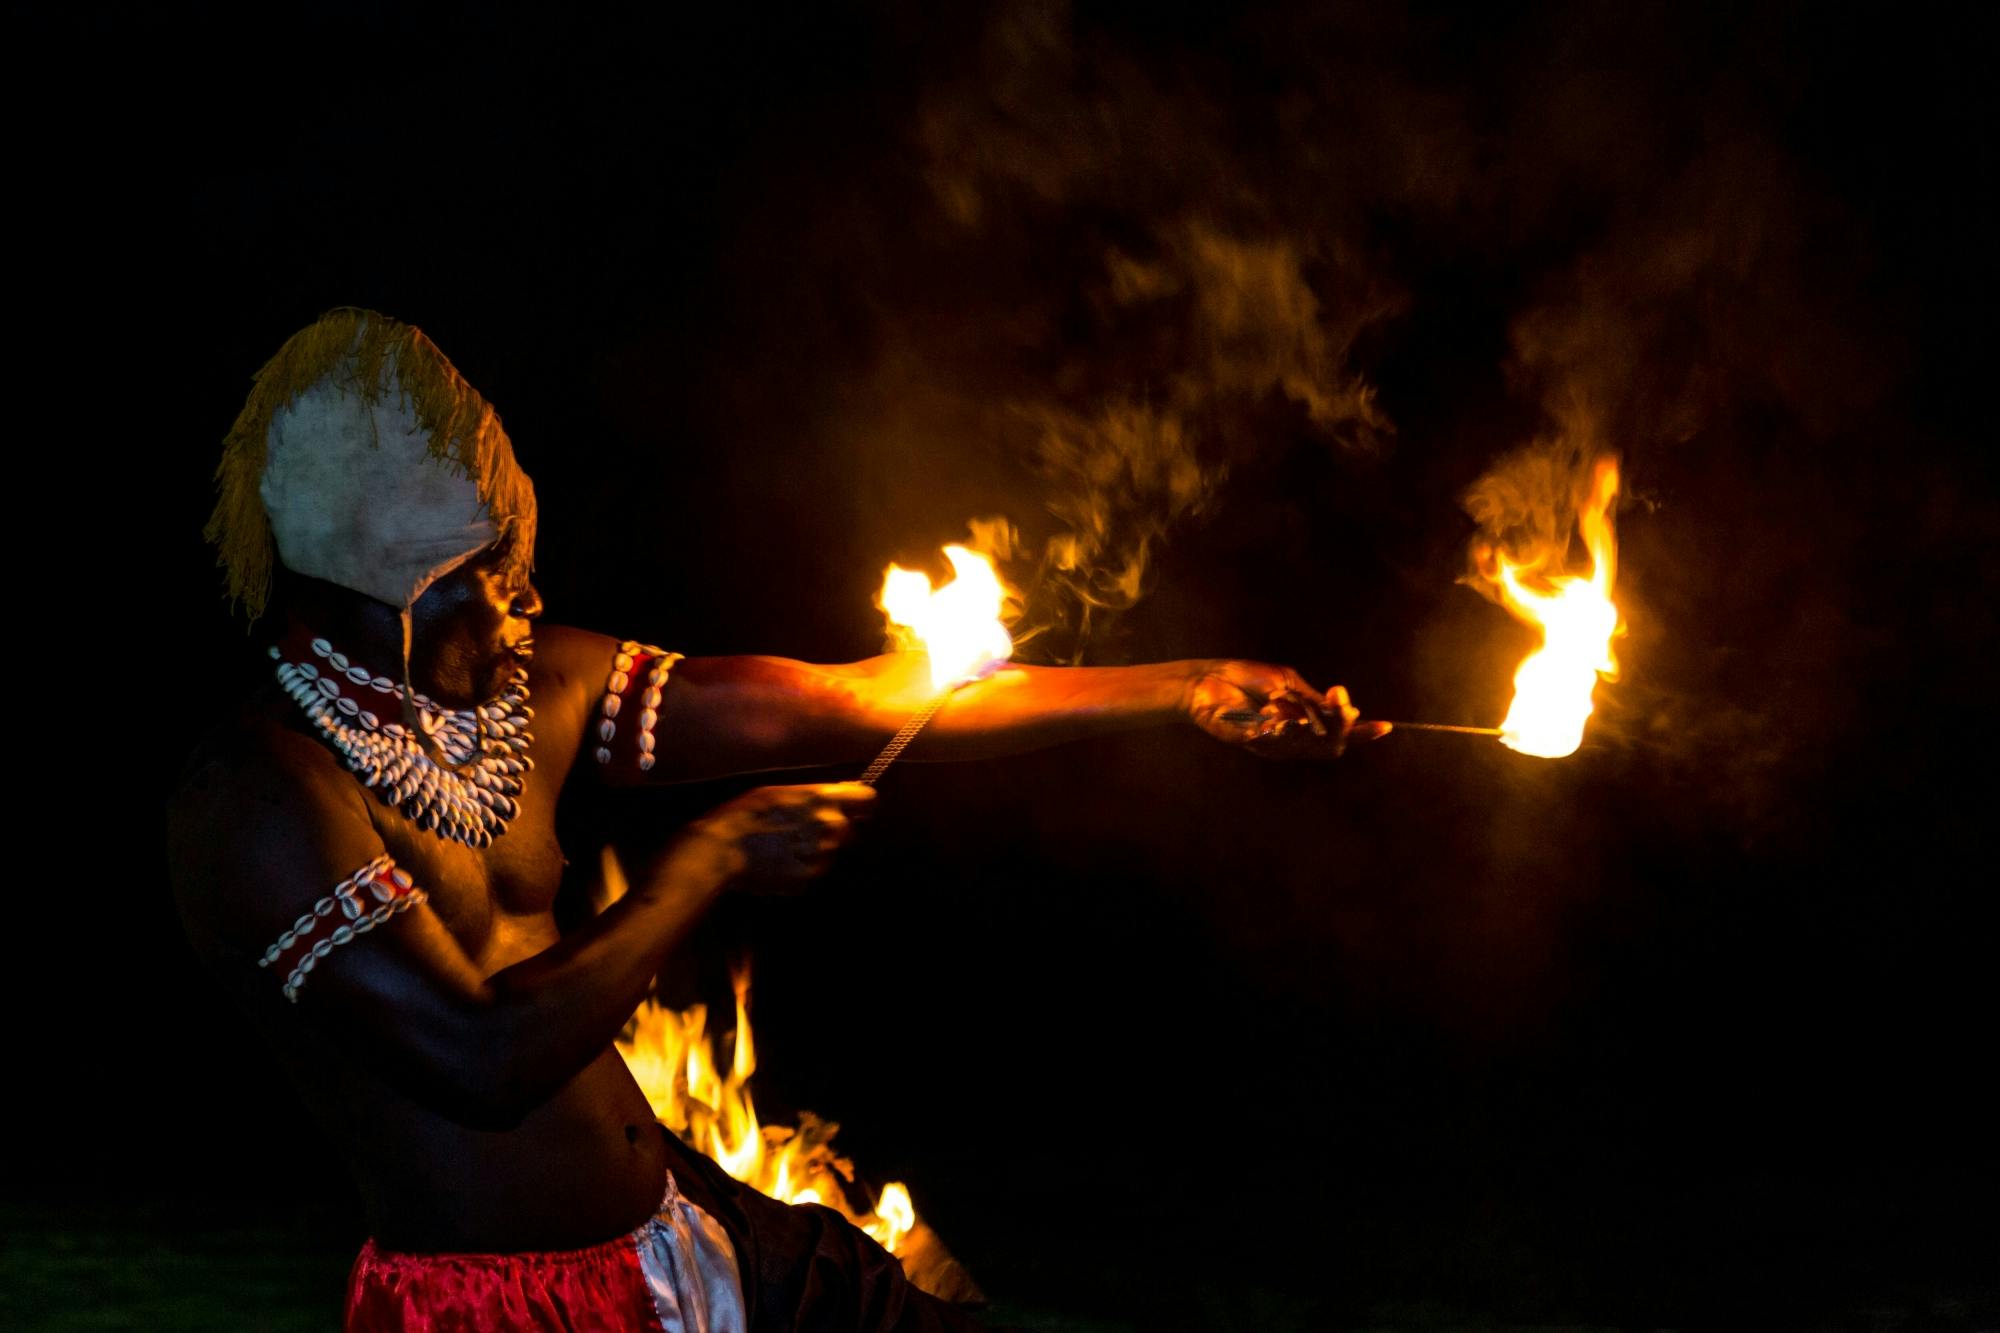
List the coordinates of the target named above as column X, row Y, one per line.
column 1200, row 327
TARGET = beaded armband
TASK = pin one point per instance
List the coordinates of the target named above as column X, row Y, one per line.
column 631, row 706
column 364, row 900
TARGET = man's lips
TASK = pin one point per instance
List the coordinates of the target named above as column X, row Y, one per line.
column 523, row 650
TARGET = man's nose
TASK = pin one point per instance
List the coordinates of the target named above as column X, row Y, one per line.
column 528, row 603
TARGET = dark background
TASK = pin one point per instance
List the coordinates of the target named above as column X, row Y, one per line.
column 1687, row 1028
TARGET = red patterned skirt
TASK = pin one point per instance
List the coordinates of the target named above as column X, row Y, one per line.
column 676, row 1273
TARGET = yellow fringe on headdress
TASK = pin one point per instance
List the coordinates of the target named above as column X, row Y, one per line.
column 358, row 347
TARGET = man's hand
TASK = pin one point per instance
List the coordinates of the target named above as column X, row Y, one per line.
column 1272, row 712
column 773, row 839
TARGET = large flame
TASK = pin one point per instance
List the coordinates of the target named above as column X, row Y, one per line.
column 1553, row 688
column 707, row 1104
column 958, row 626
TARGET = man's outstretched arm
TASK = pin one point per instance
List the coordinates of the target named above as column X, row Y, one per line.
column 726, row 715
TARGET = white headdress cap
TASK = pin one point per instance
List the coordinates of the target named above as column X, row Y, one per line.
column 367, row 459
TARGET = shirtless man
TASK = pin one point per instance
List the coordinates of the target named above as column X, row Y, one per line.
column 377, row 894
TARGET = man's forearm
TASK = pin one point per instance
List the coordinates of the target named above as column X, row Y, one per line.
column 1027, row 707
column 747, row 714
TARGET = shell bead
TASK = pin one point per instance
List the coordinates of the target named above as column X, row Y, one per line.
column 652, row 665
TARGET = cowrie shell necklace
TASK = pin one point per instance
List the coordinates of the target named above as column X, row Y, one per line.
column 487, row 746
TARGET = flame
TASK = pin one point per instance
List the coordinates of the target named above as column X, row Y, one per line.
column 707, row 1104
column 958, row 626
column 1554, row 686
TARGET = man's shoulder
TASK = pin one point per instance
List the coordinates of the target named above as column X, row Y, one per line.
column 255, row 796
column 571, row 666
column 573, row 657
column 253, row 758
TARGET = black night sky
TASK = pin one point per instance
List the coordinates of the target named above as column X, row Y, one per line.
column 1685, row 1030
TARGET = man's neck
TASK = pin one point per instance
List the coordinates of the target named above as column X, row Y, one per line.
column 366, row 631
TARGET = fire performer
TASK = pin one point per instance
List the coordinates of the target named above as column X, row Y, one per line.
column 365, row 855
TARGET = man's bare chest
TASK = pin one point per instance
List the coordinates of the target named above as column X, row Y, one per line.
column 494, row 899
column 498, row 901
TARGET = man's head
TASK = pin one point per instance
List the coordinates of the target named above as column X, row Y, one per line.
column 363, row 459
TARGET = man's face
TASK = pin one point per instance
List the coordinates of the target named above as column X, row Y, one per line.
column 471, row 630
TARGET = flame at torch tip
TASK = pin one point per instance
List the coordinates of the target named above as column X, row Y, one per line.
column 957, row 626
column 1553, row 687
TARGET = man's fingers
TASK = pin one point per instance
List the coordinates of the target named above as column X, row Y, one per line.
column 851, row 798
column 809, row 793
column 1294, row 701
column 1338, row 699
column 834, row 828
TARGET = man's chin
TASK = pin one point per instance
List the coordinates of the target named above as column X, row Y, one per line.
column 501, row 675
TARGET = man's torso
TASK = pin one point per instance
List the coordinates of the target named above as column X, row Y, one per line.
column 583, row 1167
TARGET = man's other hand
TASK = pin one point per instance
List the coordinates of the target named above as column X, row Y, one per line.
column 1273, row 712
column 774, row 839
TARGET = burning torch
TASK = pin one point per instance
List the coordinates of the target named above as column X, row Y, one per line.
column 957, row 627
column 1555, row 685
